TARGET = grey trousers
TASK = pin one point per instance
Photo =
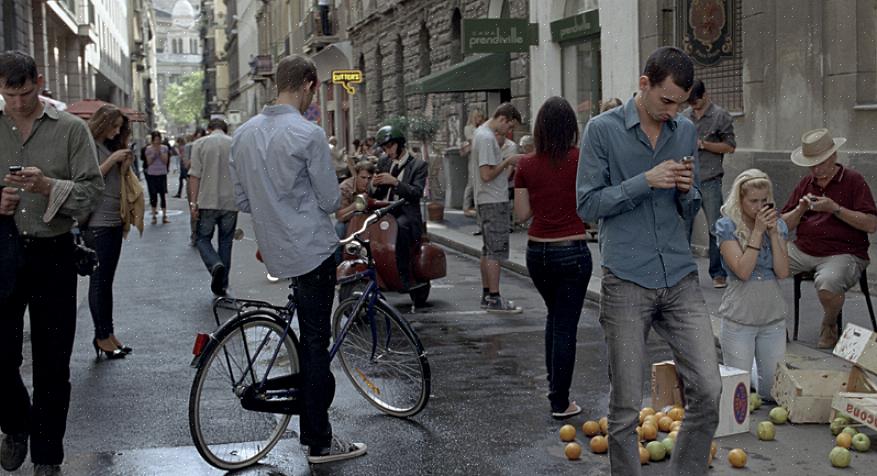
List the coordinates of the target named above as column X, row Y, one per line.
column 678, row 314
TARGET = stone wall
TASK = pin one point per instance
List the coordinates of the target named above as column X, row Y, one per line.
column 15, row 24
column 376, row 39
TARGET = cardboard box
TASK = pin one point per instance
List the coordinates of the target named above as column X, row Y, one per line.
column 734, row 407
column 858, row 346
column 807, row 393
column 860, row 401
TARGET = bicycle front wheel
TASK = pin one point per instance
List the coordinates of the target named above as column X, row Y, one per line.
column 388, row 367
column 227, row 435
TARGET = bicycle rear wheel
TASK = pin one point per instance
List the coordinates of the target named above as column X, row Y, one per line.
column 227, row 435
column 396, row 379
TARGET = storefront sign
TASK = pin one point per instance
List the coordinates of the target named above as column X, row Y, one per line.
column 707, row 29
column 498, row 35
column 575, row 27
column 347, row 78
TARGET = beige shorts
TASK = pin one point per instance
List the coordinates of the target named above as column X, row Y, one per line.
column 835, row 274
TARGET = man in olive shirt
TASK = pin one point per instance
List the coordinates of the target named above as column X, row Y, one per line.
column 52, row 179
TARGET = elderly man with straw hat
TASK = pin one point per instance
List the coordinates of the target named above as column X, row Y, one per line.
column 832, row 211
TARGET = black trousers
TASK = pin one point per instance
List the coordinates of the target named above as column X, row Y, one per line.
column 407, row 237
column 314, row 295
column 107, row 242
column 46, row 287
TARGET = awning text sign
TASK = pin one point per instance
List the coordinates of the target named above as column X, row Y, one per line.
column 347, row 78
column 576, row 27
column 498, row 35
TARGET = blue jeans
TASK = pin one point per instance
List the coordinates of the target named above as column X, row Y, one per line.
column 225, row 221
column 107, row 243
column 561, row 275
column 766, row 344
column 711, row 203
column 678, row 314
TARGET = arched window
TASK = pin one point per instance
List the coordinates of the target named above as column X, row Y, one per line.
column 379, row 83
column 456, row 37
column 400, row 76
column 425, row 63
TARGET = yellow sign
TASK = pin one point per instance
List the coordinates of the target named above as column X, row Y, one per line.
column 347, row 78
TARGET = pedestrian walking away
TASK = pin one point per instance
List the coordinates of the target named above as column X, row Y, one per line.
column 715, row 138
column 212, row 202
column 157, row 162
column 492, row 197
column 120, row 206
column 633, row 180
column 54, row 176
column 272, row 155
column 558, row 258
column 187, row 161
column 832, row 212
column 182, row 147
column 752, row 238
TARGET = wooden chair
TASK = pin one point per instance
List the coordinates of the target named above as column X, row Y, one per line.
column 863, row 284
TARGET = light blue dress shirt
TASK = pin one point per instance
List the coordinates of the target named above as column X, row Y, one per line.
column 724, row 231
column 643, row 237
column 283, row 175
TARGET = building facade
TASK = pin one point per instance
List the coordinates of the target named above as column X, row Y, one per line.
column 178, row 50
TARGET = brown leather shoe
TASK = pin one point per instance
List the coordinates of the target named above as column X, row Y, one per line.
column 827, row 336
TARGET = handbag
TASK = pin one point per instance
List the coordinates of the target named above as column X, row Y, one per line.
column 84, row 258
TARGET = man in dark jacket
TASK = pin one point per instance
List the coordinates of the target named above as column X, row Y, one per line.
column 401, row 175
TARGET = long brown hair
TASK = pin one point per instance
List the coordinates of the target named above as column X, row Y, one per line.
column 556, row 129
column 103, row 120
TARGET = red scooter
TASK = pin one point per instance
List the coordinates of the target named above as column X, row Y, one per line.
column 428, row 260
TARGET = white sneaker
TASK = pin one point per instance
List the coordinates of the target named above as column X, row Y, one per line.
column 340, row 450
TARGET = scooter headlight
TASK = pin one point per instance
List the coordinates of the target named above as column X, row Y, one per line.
column 352, row 248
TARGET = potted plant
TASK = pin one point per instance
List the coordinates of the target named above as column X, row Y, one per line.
column 424, row 129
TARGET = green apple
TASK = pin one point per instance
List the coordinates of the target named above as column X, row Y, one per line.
column 657, row 450
column 838, row 424
column 754, row 401
column 766, row 431
column 668, row 444
column 778, row 415
column 850, row 430
column 840, row 457
column 861, row 442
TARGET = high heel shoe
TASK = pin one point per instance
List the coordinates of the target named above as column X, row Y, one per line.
column 125, row 349
column 109, row 354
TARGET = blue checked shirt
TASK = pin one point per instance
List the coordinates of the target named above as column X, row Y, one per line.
column 643, row 236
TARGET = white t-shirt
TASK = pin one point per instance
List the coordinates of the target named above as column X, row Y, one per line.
column 487, row 152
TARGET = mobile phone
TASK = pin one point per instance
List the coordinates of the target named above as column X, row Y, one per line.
column 769, row 205
column 687, row 159
column 15, row 169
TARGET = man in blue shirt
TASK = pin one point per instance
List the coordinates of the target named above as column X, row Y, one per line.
column 632, row 178
column 283, row 175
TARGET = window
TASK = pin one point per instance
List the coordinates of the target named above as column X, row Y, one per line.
column 379, row 83
column 400, row 76
column 425, row 63
column 362, row 98
column 456, row 37
column 582, row 84
column 866, row 61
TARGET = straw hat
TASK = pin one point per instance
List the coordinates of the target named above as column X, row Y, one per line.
column 816, row 147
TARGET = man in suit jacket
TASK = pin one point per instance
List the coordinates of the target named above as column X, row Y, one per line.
column 401, row 175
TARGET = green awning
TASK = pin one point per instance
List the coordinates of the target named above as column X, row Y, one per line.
column 478, row 73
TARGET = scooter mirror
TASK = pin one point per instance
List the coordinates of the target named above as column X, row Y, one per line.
column 360, row 202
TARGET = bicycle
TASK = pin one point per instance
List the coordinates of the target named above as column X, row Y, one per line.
column 246, row 387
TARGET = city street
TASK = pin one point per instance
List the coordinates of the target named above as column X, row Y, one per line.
column 487, row 414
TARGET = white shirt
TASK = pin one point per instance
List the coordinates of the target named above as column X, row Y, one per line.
column 282, row 174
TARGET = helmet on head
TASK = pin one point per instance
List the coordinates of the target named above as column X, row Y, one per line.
column 388, row 134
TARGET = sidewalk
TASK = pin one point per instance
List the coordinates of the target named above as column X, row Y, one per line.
column 456, row 231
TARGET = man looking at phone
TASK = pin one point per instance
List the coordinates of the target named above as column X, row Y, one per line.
column 832, row 211
column 630, row 179
column 59, row 180
column 715, row 138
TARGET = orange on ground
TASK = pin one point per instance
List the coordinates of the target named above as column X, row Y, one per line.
column 844, row 440
column 590, row 428
column 573, row 451
column 737, row 458
column 649, row 432
column 604, row 425
column 664, row 423
column 677, row 413
column 643, row 455
column 599, row 444
column 567, row 433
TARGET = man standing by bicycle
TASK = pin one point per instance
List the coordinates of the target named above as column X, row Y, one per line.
column 283, row 175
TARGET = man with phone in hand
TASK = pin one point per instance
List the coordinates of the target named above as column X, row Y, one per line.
column 832, row 211
column 53, row 179
column 715, row 132
column 632, row 179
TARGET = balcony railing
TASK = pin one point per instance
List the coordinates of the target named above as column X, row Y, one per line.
column 313, row 27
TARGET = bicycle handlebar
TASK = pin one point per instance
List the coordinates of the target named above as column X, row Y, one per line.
column 377, row 215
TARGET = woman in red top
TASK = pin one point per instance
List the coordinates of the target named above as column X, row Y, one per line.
column 558, row 257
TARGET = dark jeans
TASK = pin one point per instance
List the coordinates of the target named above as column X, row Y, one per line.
column 46, row 287
column 711, row 204
column 314, row 294
column 225, row 222
column 157, row 186
column 107, row 243
column 407, row 237
column 561, row 275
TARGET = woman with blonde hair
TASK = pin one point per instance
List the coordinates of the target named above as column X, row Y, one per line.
column 476, row 118
column 752, row 240
column 109, row 222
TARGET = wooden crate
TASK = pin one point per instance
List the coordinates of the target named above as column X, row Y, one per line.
column 807, row 393
column 858, row 346
column 859, row 402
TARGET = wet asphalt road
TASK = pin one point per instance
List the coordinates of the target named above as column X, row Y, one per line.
column 487, row 415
